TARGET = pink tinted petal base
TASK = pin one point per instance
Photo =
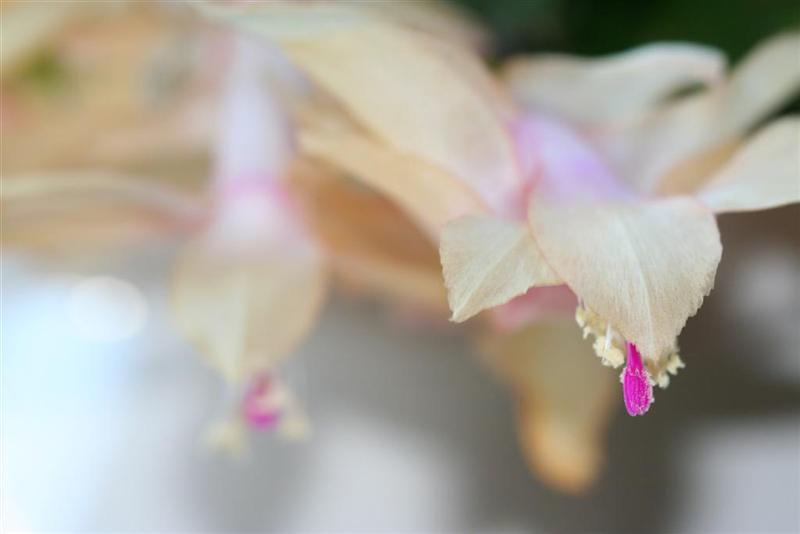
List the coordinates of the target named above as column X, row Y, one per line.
column 561, row 162
column 536, row 304
column 636, row 388
column 257, row 208
column 233, row 187
column 254, row 410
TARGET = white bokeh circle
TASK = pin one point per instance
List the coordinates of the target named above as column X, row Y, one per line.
column 106, row 309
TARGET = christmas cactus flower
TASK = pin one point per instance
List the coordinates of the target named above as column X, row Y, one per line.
column 644, row 172
column 622, row 199
column 573, row 187
column 251, row 285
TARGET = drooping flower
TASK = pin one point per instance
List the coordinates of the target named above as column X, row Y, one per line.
column 250, row 286
column 604, row 191
column 628, row 226
column 266, row 227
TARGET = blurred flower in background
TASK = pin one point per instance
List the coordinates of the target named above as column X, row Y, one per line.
column 249, row 287
column 299, row 146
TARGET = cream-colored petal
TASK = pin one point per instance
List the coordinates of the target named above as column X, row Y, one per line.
column 473, row 73
column 644, row 266
column 564, row 399
column 764, row 80
column 431, row 196
column 487, row 262
column 442, row 19
column 765, row 173
column 689, row 175
column 245, row 310
column 285, row 19
column 610, row 89
column 68, row 212
column 760, row 84
column 374, row 247
column 398, row 86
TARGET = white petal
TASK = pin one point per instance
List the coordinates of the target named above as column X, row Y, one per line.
column 487, row 262
column 431, row 196
column 765, row 173
column 442, row 19
column 609, row 89
column 246, row 312
column 642, row 266
column 763, row 81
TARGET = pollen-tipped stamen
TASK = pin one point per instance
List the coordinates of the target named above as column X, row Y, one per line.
column 636, row 387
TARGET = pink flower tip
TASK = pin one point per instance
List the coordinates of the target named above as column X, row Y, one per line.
column 636, row 387
column 258, row 407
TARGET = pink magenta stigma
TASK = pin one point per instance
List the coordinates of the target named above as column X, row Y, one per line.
column 636, row 388
column 257, row 412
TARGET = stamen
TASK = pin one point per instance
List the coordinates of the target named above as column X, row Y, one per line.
column 607, row 344
column 262, row 404
column 636, row 388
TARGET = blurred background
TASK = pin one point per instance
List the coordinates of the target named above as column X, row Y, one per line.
column 103, row 404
